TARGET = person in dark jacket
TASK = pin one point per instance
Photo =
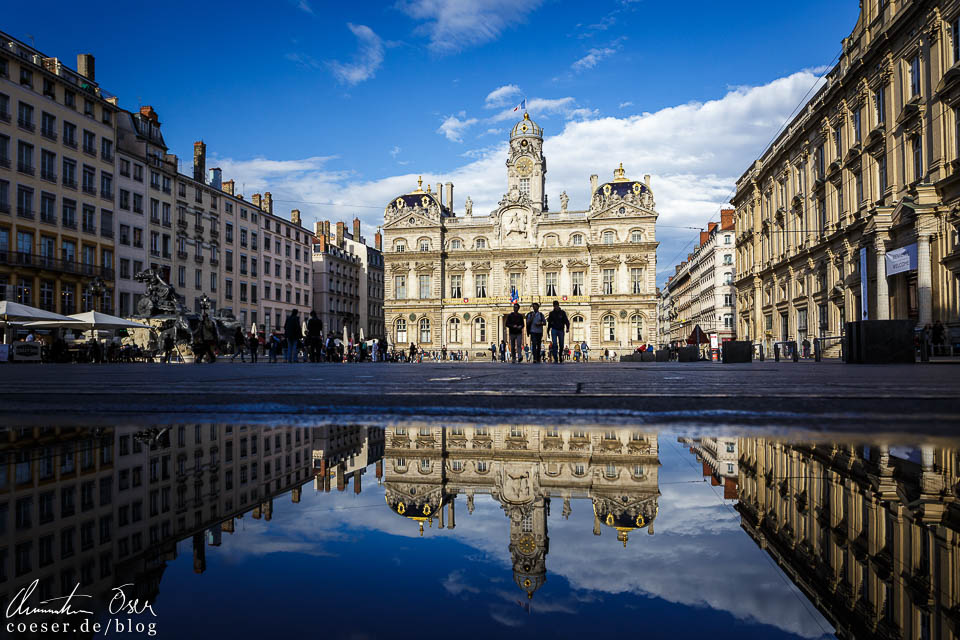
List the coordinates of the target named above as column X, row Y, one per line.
column 293, row 333
column 558, row 323
column 238, row 344
column 315, row 337
column 209, row 339
column 515, row 324
column 254, row 345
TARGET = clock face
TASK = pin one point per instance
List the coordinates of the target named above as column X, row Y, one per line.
column 526, row 544
column 525, row 166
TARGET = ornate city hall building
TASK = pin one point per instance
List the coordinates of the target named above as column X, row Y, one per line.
column 525, row 469
column 450, row 278
column 852, row 213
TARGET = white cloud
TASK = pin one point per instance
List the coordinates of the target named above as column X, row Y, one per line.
column 501, row 96
column 303, row 5
column 367, row 60
column 582, row 114
column 455, row 584
column 454, row 25
column 395, row 151
column 624, row 105
column 453, row 127
column 592, row 59
column 695, row 153
column 303, row 60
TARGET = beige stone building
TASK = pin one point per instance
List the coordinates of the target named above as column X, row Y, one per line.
column 348, row 280
column 870, row 538
column 449, row 278
column 57, row 181
column 702, row 292
column 525, row 469
column 852, row 212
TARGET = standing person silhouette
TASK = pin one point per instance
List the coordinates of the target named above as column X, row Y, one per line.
column 558, row 323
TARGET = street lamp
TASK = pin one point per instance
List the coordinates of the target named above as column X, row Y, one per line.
column 96, row 288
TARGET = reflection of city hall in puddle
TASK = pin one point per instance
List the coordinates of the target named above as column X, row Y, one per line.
column 524, row 468
column 449, row 278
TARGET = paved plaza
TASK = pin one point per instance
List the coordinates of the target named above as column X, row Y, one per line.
column 827, row 395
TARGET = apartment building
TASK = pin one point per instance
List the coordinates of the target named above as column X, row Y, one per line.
column 852, row 212
column 348, row 280
column 286, row 255
column 57, row 195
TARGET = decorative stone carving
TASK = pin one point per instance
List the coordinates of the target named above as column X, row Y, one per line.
column 468, row 206
column 456, row 266
column 483, row 265
column 551, row 263
column 515, row 265
column 424, row 266
column 564, row 201
column 636, row 259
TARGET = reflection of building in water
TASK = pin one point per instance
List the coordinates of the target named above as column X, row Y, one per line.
column 524, row 468
column 872, row 539
column 102, row 507
column 344, row 452
column 720, row 460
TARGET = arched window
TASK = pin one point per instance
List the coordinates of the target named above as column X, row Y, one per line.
column 609, row 332
column 609, row 237
column 425, row 330
column 453, row 335
column 400, row 245
column 636, row 236
column 456, row 243
column 481, row 243
column 480, row 331
column 401, row 327
column 636, row 328
column 577, row 332
column 424, row 244
column 576, row 239
column 551, row 240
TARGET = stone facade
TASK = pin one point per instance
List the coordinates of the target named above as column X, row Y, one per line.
column 57, row 181
column 449, row 278
column 702, row 293
column 869, row 167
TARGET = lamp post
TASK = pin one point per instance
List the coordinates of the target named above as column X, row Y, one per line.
column 96, row 288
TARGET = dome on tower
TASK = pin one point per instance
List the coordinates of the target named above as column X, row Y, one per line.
column 526, row 127
column 414, row 199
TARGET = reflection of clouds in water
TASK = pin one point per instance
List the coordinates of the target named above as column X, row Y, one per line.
column 698, row 557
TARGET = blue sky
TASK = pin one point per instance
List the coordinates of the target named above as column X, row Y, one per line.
column 348, row 102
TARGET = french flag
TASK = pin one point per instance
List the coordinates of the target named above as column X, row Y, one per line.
column 522, row 105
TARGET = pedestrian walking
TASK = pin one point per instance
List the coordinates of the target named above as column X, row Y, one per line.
column 535, row 324
column 254, row 345
column 315, row 337
column 558, row 323
column 209, row 338
column 585, row 350
column 503, row 351
column 238, row 343
column 168, row 346
column 515, row 324
column 493, row 352
column 293, row 333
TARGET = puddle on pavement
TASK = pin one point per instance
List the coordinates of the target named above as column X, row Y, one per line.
column 418, row 531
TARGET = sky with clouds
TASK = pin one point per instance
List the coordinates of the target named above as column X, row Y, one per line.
column 699, row 573
column 345, row 105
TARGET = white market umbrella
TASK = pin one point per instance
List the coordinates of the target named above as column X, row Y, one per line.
column 346, row 339
column 361, row 334
column 21, row 313
column 92, row 320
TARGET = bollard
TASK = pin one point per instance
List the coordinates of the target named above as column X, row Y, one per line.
column 816, row 350
column 776, row 352
column 761, row 353
column 796, row 354
column 924, row 347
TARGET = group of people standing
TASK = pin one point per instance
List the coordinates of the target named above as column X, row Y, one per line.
column 556, row 324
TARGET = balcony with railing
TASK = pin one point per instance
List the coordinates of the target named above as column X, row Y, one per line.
column 198, row 259
column 49, row 134
column 46, row 174
column 70, row 182
column 70, row 142
column 90, row 150
column 26, row 125
column 4, row 207
column 47, row 263
column 48, row 217
column 23, row 167
column 89, row 227
column 4, row 162
column 4, row 116
column 90, row 189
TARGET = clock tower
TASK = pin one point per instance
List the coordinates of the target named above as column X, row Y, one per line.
column 526, row 165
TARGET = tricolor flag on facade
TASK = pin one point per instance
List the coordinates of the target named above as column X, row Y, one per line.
column 522, row 105
column 514, row 296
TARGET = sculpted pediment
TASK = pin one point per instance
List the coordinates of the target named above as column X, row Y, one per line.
column 551, row 263
column 515, row 264
column 609, row 260
column 400, row 266
column 483, row 265
column 412, row 217
column 577, row 262
column 636, row 258
column 424, row 266
column 456, row 266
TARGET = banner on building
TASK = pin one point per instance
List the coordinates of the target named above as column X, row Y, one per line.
column 864, row 298
column 902, row 259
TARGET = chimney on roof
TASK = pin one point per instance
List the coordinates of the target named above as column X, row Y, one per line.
column 147, row 113
column 215, row 178
column 326, row 228
column 199, row 161
column 726, row 219
column 228, row 186
column 704, row 236
column 267, row 202
column 450, row 196
column 593, row 185
column 340, row 226
column 646, row 180
column 86, row 66
column 295, row 217
column 711, row 226
column 356, row 229
column 378, row 241
column 255, row 200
